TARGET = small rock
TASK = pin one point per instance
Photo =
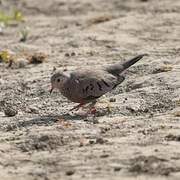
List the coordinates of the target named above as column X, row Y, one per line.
column 70, row 172
column 104, row 129
column 117, row 168
column 91, row 141
column 172, row 137
column 131, row 109
column 21, row 63
column 73, row 54
column 37, row 58
column 100, row 141
column 10, row 112
column 104, row 156
column 112, row 100
column 67, row 54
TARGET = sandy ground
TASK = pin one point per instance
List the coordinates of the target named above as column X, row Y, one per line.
column 139, row 139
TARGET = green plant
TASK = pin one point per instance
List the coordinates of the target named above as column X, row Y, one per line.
column 24, row 34
column 15, row 15
column 6, row 57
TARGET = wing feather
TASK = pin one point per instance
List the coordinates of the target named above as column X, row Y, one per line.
column 93, row 84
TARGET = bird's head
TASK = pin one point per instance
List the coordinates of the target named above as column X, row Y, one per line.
column 58, row 79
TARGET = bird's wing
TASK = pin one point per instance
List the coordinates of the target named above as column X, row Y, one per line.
column 93, row 84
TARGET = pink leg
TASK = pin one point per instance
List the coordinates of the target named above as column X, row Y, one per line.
column 92, row 108
column 77, row 107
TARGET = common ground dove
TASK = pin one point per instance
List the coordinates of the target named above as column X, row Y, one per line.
column 87, row 85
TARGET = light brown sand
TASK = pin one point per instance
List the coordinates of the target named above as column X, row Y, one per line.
column 139, row 139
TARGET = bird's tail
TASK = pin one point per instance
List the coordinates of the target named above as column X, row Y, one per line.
column 116, row 69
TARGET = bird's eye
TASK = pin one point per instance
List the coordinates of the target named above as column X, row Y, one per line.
column 58, row 80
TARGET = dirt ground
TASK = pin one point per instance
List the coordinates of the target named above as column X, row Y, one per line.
column 138, row 137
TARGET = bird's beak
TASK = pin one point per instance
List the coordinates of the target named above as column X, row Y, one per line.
column 51, row 89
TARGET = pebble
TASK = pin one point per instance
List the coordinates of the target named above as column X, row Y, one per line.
column 10, row 112
column 100, row 140
column 70, row 172
column 117, row 168
column 73, row 54
column 67, row 54
column 22, row 63
column 104, row 156
column 112, row 100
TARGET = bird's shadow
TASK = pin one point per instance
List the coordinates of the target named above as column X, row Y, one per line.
column 45, row 120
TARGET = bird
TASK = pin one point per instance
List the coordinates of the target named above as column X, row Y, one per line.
column 86, row 85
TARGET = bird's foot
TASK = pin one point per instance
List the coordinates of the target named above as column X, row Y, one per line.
column 76, row 108
column 91, row 107
column 92, row 110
